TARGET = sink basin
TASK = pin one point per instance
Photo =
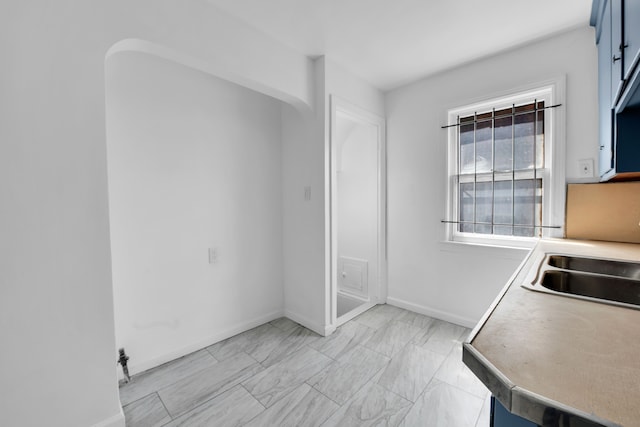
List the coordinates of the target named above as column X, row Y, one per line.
column 608, row 288
column 629, row 270
column 594, row 279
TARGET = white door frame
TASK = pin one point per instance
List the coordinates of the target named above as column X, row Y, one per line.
column 377, row 294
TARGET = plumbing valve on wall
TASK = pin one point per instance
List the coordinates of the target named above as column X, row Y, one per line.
column 122, row 360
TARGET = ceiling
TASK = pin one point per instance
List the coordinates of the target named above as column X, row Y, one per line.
column 392, row 42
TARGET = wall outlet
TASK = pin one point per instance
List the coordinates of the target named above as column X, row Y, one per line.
column 585, row 168
column 307, row 193
column 213, row 255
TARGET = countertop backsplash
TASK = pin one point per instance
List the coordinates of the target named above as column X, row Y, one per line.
column 607, row 211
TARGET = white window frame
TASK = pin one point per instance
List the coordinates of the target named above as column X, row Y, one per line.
column 553, row 173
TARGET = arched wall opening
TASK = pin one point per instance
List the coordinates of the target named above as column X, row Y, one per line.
column 195, row 167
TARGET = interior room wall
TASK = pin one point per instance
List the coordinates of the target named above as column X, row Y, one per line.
column 56, row 311
column 305, row 142
column 454, row 281
column 194, row 163
column 303, row 211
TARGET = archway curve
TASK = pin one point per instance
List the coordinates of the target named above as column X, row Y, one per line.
column 220, row 70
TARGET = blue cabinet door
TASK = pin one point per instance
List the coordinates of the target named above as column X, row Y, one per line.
column 617, row 49
column 500, row 417
column 631, row 31
column 605, row 94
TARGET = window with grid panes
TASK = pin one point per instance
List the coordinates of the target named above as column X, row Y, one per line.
column 499, row 167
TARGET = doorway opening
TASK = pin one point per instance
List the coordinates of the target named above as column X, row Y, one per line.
column 358, row 211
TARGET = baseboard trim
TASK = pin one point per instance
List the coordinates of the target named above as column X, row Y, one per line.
column 323, row 330
column 116, row 420
column 433, row 312
column 135, row 368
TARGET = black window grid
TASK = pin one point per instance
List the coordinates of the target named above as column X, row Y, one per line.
column 532, row 228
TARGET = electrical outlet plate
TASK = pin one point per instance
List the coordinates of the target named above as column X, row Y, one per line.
column 213, row 255
column 585, row 168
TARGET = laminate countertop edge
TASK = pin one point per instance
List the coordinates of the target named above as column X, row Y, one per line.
column 518, row 398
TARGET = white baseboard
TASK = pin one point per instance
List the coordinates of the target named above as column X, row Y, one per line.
column 433, row 312
column 323, row 330
column 115, row 421
column 137, row 367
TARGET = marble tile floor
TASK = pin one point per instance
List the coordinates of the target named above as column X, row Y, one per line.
column 386, row 367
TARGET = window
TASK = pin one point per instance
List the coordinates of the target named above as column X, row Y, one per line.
column 501, row 170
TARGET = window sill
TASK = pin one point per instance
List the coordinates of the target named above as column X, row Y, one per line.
column 498, row 250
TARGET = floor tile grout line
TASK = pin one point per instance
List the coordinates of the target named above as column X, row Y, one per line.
column 385, row 355
column 209, row 400
column 363, row 385
column 308, row 344
column 479, row 412
column 290, row 355
column 460, row 389
column 319, row 391
column 401, row 397
column 138, row 399
column 186, row 376
column 212, row 355
column 425, row 387
column 324, row 354
column 420, row 396
column 304, row 382
column 210, row 397
column 285, row 330
column 374, row 350
column 400, row 422
column 165, row 408
column 264, row 408
column 156, row 390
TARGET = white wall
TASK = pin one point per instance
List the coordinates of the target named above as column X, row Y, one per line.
column 453, row 281
column 194, row 163
column 306, row 163
column 357, row 198
column 303, row 220
column 56, row 299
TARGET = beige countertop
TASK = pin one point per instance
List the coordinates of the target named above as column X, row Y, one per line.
column 579, row 357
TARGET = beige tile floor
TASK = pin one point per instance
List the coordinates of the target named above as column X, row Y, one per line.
column 386, row 367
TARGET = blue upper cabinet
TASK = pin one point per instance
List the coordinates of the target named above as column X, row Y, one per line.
column 631, row 36
column 602, row 21
column 617, row 51
column 617, row 24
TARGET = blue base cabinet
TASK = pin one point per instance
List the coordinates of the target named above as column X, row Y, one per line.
column 500, row 417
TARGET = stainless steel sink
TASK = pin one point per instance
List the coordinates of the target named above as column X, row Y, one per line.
column 594, row 279
column 630, row 270
column 608, row 288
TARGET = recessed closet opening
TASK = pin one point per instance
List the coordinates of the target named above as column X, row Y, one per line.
column 358, row 210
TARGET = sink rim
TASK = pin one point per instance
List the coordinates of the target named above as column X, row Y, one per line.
column 611, row 262
column 535, row 283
